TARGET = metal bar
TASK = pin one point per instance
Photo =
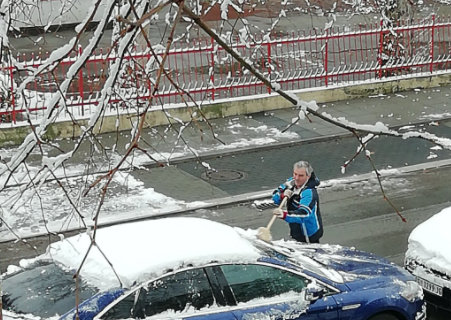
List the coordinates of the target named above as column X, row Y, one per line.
column 212, row 64
column 326, row 58
column 268, row 50
column 381, row 48
column 432, row 44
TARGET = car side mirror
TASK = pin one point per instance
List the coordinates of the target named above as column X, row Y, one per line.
column 313, row 293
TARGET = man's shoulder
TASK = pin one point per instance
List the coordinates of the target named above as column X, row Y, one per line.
column 310, row 191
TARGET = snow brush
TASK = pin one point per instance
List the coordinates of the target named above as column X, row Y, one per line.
column 265, row 233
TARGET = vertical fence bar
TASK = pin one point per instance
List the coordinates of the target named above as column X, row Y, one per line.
column 80, row 83
column 431, row 66
column 268, row 46
column 381, row 48
column 449, row 36
column 13, row 100
column 326, row 58
column 212, row 75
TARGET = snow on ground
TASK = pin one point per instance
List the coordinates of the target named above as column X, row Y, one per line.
column 29, row 214
column 239, row 132
column 391, row 180
column 128, row 199
column 7, row 315
column 165, row 141
column 429, row 244
column 435, row 116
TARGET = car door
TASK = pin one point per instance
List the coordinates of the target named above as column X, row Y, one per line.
column 187, row 294
column 272, row 292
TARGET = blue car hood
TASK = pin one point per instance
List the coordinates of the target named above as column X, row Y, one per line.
column 357, row 268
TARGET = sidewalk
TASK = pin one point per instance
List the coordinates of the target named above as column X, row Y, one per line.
column 244, row 133
column 262, row 130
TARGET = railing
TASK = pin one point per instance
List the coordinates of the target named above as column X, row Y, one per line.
column 296, row 60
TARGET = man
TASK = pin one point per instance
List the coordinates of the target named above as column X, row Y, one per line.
column 303, row 214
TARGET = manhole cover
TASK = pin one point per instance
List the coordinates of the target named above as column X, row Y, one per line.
column 223, row 175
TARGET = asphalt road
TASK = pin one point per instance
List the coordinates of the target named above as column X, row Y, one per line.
column 353, row 215
column 357, row 215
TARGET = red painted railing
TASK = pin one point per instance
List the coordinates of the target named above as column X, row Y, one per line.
column 296, row 60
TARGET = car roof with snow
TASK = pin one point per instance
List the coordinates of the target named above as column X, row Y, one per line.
column 140, row 251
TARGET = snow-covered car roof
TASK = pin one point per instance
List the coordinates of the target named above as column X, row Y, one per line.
column 429, row 242
column 140, row 251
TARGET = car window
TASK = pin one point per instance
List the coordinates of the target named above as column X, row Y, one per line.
column 44, row 290
column 181, row 291
column 124, row 309
column 250, row 282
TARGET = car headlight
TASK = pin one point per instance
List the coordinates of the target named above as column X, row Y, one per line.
column 412, row 291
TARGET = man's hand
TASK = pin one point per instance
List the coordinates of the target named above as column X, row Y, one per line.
column 287, row 193
column 279, row 213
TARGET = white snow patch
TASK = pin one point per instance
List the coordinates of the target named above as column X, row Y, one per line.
column 431, row 156
column 434, row 116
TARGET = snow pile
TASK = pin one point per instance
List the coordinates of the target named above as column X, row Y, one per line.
column 129, row 199
column 140, row 251
column 429, row 243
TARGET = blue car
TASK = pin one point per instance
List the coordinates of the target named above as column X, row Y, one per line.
column 202, row 270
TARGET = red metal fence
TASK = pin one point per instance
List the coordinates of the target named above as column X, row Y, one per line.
column 296, row 60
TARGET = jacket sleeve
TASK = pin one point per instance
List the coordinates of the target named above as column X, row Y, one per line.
column 302, row 209
column 277, row 195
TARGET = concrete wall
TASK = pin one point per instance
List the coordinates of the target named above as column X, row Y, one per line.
column 28, row 14
column 15, row 135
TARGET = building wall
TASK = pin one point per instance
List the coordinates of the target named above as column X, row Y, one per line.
column 42, row 13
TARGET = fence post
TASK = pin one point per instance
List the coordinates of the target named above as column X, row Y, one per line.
column 80, row 83
column 381, row 49
column 432, row 44
column 212, row 75
column 326, row 56
column 268, row 45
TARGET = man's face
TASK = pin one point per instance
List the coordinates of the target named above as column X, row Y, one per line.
column 300, row 176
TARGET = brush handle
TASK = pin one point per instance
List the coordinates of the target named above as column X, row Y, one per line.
column 271, row 222
column 284, row 200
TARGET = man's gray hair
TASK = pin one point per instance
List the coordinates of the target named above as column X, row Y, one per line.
column 304, row 164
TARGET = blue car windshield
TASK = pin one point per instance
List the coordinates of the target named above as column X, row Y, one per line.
column 305, row 260
column 44, row 290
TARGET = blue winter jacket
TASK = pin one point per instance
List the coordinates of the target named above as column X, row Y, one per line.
column 302, row 208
